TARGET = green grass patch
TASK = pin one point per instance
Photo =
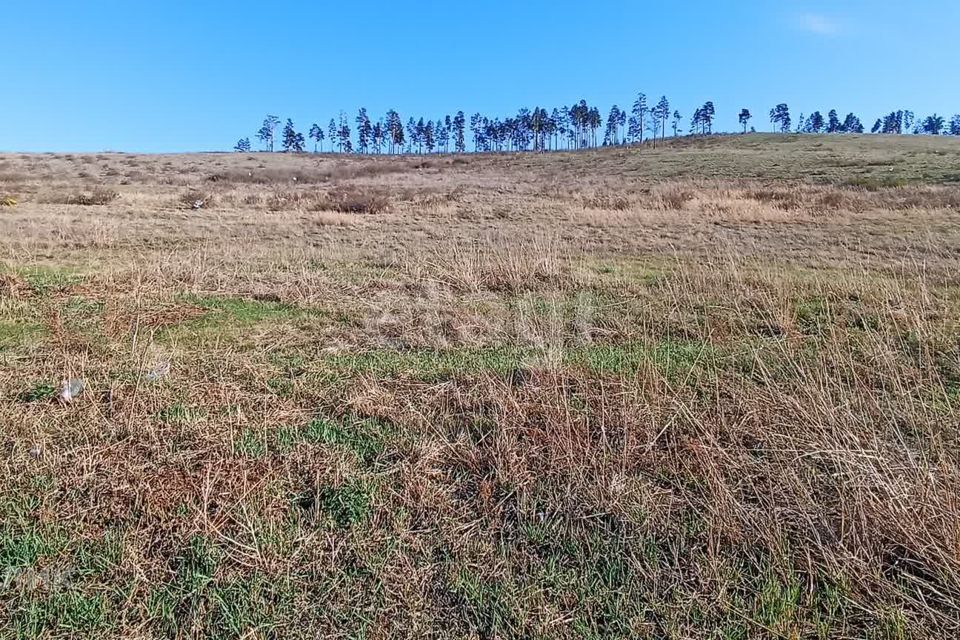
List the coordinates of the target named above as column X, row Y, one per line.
column 38, row 392
column 642, row 272
column 245, row 311
column 200, row 600
column 813, row 315
column 250, row 444
column 348, row 504
column 877, row 182
column 229, row 317
column 427, row 364
column 24, row 545
column 81, row 313
column 179, row 413
column 674, row 359
column 96, row 557
column 490, row 606
column 47, row 280
column 16, row 333
column 70, row 613
column 364, row 437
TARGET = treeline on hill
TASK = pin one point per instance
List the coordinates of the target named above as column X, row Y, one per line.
column 575, row 127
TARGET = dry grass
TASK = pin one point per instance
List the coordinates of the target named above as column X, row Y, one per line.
column 95, row 197
column 494, row 264
column 711, row 390
column 352, row 201
column 196, row 199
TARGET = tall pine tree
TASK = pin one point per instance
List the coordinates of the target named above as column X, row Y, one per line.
column 459, row 132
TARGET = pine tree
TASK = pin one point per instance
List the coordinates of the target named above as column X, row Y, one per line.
column 676, row 122
column 851, row 124
column 476, row 129
column 442, row 135
column 653, row 125
column 394, row 131
column 292, row 141
column 397, row 137
column 429, row 135
column 707, row 114
column 530, row 129
column 613, row 122
column 906, row 121
column 653, row 122
column 442, row 131
column 745, row 118
column 554, row 122
column 954, row 127
column 815, row 122
column 364, row 131
column 594, row 121
column 316, row 134
column 413, row 134
column 893, row 122
column 490, row 135
column 484, row 134
column 564, row 127
column 343, row 133
column 242, row 146
column 833, row 122
column 580, row 117
column 780, row 116
column 267, row 131
column 459, row 133
column 447, row 132
column 933, row 125
column 378, row 136
column 663, row 112
column 420, row 130
column 577, row 115
column 639, row 111
column 332, row 134
column 696, row 120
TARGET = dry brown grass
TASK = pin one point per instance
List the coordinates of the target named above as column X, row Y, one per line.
column 494, row 264
column 621, row 394
column 97, row 196
column 353, row 201
column 196, row 199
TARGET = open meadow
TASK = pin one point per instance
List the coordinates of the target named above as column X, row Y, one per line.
column 707, row 390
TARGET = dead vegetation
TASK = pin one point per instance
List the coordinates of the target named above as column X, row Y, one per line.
column 340, row 199
column 494, row 264
column 94, row 197
column 618, row 394
column 196, row 199
column 352, row 201
column 331, row 171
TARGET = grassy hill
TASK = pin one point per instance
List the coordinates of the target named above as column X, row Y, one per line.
column 708, row 389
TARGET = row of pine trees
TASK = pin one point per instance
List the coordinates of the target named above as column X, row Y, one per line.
column 577, row 127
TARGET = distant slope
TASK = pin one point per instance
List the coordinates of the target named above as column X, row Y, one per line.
column 856, row 160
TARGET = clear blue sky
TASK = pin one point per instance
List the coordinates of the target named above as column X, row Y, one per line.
column 178, row 75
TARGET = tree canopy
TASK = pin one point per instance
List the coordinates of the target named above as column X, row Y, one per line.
column 579, row 126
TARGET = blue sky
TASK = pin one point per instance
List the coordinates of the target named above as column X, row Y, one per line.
column 177, row 75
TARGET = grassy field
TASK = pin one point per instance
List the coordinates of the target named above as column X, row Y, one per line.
column 708, row 390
